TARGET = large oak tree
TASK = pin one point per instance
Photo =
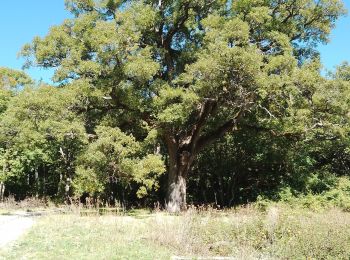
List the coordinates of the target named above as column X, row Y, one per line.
column 191, row 70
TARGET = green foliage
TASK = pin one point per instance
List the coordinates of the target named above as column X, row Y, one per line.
column 40, row 135
column 10, row 82
column 335, row 196
column 116, row 157
column 12, row 79
column 144, row 84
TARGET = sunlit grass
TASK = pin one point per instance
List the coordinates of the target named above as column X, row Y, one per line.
column 246, row 233
column 75, row 237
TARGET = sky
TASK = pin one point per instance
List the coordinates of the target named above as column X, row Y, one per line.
column 21, row 20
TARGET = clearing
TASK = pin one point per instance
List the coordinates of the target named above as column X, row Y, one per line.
column 245, row 233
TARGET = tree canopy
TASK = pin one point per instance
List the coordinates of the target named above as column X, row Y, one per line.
column 146, row 87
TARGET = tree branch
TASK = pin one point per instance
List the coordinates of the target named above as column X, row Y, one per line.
column 207, row 108
column 177, row 26
column 208, row 139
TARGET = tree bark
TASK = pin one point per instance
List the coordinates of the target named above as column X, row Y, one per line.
column 176, row 195
column 183, row 150
column 2, row 190
column 178, row 168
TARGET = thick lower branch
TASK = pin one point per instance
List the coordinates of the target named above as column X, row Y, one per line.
column 207, row 108
column 209, row 138
column 218, row 133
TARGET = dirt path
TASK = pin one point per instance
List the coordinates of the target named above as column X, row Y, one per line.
column 13, row 226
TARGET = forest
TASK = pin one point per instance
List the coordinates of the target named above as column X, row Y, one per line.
column 177, row 103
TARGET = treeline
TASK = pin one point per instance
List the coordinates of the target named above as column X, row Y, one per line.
column 184, row 101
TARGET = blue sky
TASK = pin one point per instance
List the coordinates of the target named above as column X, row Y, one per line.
column 338, row 49
column 21, row 20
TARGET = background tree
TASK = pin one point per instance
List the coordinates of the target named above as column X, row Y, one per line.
column 40, row 137
column 11, row 81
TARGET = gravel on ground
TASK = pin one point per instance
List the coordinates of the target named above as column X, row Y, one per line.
column 13, row 226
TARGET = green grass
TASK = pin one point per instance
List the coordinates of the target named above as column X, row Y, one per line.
column 74, row 237
column 4, row 211
column 280, row 232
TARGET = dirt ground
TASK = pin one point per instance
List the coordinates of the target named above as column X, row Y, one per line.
column 13, row 226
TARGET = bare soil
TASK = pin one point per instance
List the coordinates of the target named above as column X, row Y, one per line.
column 13, row 226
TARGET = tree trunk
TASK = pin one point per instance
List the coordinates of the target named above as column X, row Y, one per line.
column 67, row 189
column 2, row 190
column 37, row 182
column 176, row 194
column 179, row 166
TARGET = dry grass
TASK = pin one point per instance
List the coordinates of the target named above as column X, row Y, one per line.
column 30, row 204
column 245, row 233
